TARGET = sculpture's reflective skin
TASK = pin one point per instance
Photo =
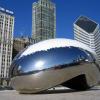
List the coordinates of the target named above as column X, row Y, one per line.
column 70, row 66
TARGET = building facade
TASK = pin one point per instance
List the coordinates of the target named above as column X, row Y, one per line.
column 43, row 20
column 87, row 31
column 19, row 44
column 6, row 42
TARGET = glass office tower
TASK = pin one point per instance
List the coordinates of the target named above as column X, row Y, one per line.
column 43, row 20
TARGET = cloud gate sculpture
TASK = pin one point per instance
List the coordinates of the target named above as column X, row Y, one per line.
column 54, row 62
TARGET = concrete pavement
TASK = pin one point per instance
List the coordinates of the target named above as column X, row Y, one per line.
column 58, row 94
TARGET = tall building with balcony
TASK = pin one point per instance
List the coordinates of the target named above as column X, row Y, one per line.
column 43, row 20
column 87, row 31
column 6, row 42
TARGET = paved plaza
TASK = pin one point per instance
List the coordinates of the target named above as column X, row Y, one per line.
column 58, row 94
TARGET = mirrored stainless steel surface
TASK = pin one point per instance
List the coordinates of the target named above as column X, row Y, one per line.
column 45, row 69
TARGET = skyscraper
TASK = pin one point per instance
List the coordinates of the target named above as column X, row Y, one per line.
column 6, row 42
column 43, row 20
column 87, row 31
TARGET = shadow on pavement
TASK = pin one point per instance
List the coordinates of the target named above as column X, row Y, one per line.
column 57, row 91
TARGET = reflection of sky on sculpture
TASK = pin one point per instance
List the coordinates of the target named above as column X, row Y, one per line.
column 50, row 58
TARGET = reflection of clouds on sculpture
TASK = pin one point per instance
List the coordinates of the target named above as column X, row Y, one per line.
column 63, row 62
column 53, row 43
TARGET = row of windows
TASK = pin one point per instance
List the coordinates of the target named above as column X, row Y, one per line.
column 44, row 30
column 49, row 28
column 2, row 69
column 4, row 60
column 1, row 16
column 2, row 75
column 45, row 11
column 45, row 24
column 8, row 53
column 82, row 40
column 6, row 22
column 37, row 21
column 6, row 28
column 45, row 15
column 7, row 40
column 6, row 17
column 7, row 63
column 81, row 36
column 6, row 35
column 47, row 4
column 81, row 31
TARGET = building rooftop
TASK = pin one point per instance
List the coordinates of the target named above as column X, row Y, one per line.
column 6, row 11
column 86, row 24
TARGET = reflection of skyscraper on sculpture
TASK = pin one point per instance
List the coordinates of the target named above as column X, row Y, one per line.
column 6, row 41
column 43, row 20
column 87, row 31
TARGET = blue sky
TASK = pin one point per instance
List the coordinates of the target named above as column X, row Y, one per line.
column 66, row 12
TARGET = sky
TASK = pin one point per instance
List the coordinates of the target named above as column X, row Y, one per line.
column 67, row 11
